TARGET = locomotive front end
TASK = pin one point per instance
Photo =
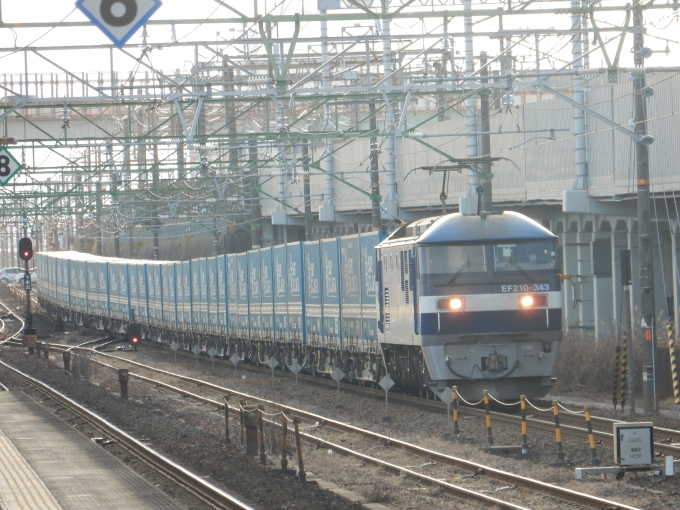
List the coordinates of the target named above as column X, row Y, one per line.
column 487, row 306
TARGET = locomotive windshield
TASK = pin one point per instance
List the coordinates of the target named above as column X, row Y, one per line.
column 510, row 261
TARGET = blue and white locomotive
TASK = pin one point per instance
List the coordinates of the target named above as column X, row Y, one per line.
column 471, row 301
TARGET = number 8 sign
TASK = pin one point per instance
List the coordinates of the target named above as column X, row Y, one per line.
column 8, row 166
column 118, row 19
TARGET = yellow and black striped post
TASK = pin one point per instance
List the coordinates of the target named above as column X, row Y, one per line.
column 591, row 437
column 558, row 432
column 456, row 430
column 260, row 425
column 241, row 404
column 227, row 440
column 624, row 371
column 489, row 435
column 523, row 408
column 615, row 393
column 674, row 365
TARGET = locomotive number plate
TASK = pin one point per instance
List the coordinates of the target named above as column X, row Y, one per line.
column 533, row 287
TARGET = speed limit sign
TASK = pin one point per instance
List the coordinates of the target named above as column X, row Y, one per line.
column 8, row 166
column 118, row 19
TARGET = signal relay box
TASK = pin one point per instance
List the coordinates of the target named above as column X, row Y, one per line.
column 634, row 443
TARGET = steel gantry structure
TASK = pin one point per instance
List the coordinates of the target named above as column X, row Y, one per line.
column 253, row 124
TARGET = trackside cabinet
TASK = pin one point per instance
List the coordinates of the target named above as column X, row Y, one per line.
column 634, row 443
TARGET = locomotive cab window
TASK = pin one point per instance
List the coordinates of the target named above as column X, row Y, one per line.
column 524, row 256
column 446, row 264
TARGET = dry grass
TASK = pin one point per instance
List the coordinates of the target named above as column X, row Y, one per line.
column 586, row 364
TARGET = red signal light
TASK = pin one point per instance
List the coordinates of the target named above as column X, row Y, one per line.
column 134, row 340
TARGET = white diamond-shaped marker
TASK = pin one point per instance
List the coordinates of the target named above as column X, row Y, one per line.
column 235, row 359
column 174, row 346
column 386, row 383
column 295, row 367
column 272, row 363
column 196, row 350
column 212, row 352
column 446, row 396
column 8, row 166
column 118, row 19
column 338, row 375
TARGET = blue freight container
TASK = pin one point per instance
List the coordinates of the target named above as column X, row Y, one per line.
column 279, row 263
column 196, row 295
column 213, row 298
column 102, row 303
column 153, row 294
column 267, row 291
column 313, row 309
column 295, row 287
column 62, row 282
column 350, row 290
column 203, row 289
column 369, row 289
column 92, row 287
column 142, row 307
column 242, row 302
column 222, row 294
column 232, row 297
column 78, row 285
column 186, row 320
column 170, row 296
column 330, row 262
column 255, row 293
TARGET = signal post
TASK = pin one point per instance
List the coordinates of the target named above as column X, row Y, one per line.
column 26, row 254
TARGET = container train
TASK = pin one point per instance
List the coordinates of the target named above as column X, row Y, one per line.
column 471, row 301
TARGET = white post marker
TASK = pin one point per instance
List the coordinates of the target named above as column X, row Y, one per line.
column 338, row 375
column 8, row 167
column 295, row 367
column 670, row 471
column 212, row 352
column 118, row 19
column 235, row 359
column 175, row 347
column 447, row 397
column 196, row 350
column 272, row 363
column 386, row 383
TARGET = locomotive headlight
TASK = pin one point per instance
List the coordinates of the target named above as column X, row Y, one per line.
column 451, row 304
column 456, row 303
column 533, row 301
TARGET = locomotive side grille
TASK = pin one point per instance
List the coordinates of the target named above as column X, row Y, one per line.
column 401, row 265
column 387, row 296
column 387, row 319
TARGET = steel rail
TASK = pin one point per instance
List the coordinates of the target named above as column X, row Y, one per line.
column 12, row 337
column 585, row 500
column 174, row 471
column 546, row 425
column 535, row 423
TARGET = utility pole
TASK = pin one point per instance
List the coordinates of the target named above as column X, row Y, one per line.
column 485, row 139
column 307, row 190
column 255, row 213
column 375, row 177
column 644, row 220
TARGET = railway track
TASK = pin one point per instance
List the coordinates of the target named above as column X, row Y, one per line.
column 194, row 484
column 6, row 316
column 667, row 440
column 499, row 479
